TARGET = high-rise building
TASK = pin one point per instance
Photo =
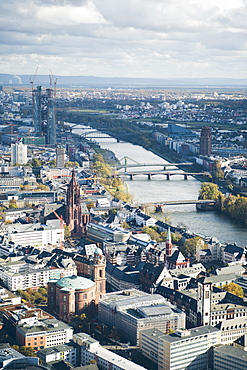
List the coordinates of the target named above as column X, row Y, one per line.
column 37, row 110
column 206, row 141
column 60, row 156
column 18, row 153
column 51, row 122
column 44, row 114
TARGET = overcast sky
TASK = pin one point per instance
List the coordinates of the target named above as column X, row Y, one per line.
column 124, row 38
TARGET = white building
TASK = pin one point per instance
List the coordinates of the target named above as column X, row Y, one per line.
column 22, row 275
column 61, row 352
column 91, row 350
column 184, row 349
column 38, row 235
column 18, row 153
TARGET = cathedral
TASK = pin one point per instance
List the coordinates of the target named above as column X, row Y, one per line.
column 73, row 207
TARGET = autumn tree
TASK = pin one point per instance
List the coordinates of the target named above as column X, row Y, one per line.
column 154, row 235
column 71, row 164
column 42, row 187
column 209, row 190
column 67, row 232
column 12, row 203
column 218, row 174
column 234, row 289
column 125, row 225
column 26, row 351
column 192, row 245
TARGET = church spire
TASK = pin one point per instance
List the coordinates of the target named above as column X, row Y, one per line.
column 168, row 243
column 73, row 207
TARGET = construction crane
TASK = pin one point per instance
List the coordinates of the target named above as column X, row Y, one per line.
column 53, row 82
column 33, row 78
column 61, row 227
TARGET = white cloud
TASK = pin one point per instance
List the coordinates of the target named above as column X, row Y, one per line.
column 124, row 38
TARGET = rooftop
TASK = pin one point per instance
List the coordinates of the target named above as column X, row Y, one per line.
column 192, row 333
column 75, row 282
column 229, row 351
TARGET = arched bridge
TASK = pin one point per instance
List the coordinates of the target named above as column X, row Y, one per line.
column 94, row 134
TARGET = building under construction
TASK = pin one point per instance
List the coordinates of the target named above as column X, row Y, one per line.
column 44, row 114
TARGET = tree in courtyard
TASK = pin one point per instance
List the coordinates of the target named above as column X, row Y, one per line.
column 71, row 164
column 125, row 225
column 35, row 162
column 154, row 235
column 12, row 203
column 192, row 245
column 234, row 289
column 26, row 351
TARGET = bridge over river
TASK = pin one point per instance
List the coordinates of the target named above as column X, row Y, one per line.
column 179, row 202
column 166, row 174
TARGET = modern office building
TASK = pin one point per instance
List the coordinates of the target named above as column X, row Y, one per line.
column 44, row 114
column 133, row 310
column 229, row 358
column 206, row 141
column 18, row 153
column 60, row 156
column 184, row 349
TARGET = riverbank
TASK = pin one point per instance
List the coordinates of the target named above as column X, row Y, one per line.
column 210, row 224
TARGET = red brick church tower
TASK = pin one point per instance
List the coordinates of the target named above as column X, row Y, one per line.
column 73, row 207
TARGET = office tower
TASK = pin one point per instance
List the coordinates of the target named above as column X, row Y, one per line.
column 18, row 153
column 36, row 95
column 44, row 114
column 51, row 124
column 60, row 156
column 206, row 141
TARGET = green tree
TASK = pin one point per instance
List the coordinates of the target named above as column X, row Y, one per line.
column 35, row 162
column 209, row 190
column 42, row 187
column 125, row 225
column 234, row 289
column 218, row 174
column 71, row 164
column 67, row 232
column 153, row 233
column 52, row 163
column 192, row 245
column 176, row 238
column 27, row 351
column 12, row 203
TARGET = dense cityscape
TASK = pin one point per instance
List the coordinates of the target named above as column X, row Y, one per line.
column 90, row 277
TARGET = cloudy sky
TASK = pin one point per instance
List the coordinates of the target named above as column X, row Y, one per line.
column 124, row 38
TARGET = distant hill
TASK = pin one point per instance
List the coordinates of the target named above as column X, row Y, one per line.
column 91, row 81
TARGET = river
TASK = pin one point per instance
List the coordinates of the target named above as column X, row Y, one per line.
column 158, row 189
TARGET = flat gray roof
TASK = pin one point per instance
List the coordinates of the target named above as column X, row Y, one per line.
column 195, row 332
column 231, row 351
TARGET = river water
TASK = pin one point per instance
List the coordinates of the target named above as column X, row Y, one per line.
column 159, row 189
